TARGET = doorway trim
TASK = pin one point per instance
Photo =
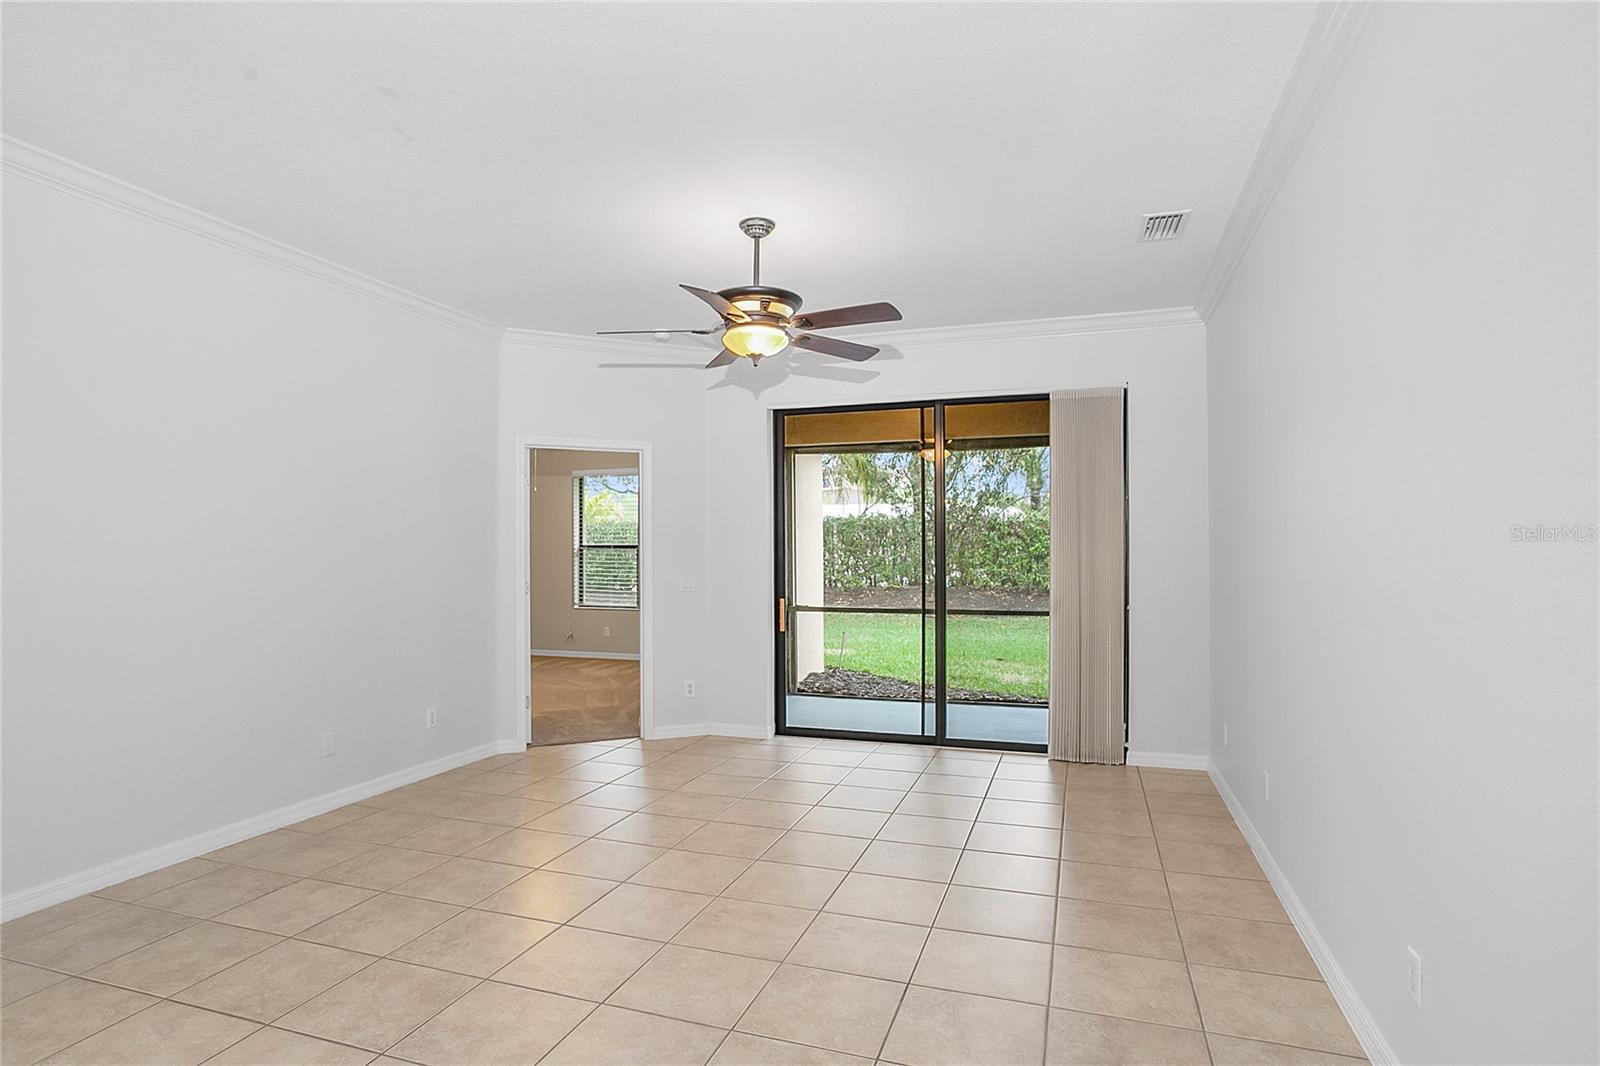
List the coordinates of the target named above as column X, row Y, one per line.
column 524, row 550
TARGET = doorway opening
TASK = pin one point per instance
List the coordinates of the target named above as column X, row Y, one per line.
column 583, row 594
column 913, row 572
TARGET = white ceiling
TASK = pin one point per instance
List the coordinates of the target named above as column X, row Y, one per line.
column 564, row 166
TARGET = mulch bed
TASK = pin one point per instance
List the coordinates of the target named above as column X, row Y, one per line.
column 837, row 682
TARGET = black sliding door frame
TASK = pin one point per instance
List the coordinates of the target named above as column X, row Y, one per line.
column 941, row 594
column 940, row 606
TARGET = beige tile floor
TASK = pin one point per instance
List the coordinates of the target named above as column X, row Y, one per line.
column 698, row 900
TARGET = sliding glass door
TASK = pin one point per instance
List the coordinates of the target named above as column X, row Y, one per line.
column 996, row 571
column 913, row 572
column 857, row 525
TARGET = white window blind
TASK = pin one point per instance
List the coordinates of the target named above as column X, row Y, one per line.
column 605, row 538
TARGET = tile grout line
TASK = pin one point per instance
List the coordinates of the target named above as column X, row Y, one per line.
column 1183, row 949
column 1055, row 912
column 236, row 1043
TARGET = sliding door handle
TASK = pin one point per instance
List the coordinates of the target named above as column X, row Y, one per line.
column 783, row 615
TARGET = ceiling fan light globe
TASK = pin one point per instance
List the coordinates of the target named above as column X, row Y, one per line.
column 755, row 339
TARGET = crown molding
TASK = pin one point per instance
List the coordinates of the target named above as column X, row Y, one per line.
column 36, row 164
column 1027, row 329
column 1329, row 42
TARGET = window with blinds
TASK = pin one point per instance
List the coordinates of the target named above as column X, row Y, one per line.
column 605, row 537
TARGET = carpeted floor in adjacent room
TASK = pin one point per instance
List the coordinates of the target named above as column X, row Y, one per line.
column 577, row 700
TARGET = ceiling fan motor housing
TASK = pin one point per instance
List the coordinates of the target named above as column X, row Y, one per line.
column 763, row 302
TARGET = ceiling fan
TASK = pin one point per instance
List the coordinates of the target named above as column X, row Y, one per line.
column 760, row 320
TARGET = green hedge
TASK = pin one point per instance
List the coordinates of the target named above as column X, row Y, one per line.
column 981, row 551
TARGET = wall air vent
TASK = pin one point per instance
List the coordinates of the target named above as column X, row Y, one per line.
column 1167, row 226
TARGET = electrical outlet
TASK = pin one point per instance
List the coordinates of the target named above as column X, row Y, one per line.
column 327, row 745
column 688, row 689
column 605, row 631
column 686, row 584
column 1224, row 734
column 1414, row 978
column 1266, row 787
column 433, row 717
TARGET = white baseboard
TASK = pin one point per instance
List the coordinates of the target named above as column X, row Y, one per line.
column 709, row 729
column 28, row 900
column 1168, row 760
column 565, row 654
column 1362, row 1023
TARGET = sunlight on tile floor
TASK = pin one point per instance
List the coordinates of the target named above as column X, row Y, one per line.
column 697, row 900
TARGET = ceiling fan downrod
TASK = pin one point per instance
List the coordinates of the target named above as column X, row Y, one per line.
column 756, row 228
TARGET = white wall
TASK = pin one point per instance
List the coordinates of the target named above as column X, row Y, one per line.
column 1403, row 368
column 554, row 387
column 242, row 508
column 1165, row 372
column 554, row 624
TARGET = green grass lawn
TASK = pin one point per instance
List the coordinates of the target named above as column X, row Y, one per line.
column 987, row 653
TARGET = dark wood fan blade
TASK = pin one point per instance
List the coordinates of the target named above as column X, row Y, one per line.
column 625, row 332
column 723, row 358
column 720, row 305
column 834, row 346
column 859, row 315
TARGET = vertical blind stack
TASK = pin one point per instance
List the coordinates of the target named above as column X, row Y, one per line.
column 1088, row 574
